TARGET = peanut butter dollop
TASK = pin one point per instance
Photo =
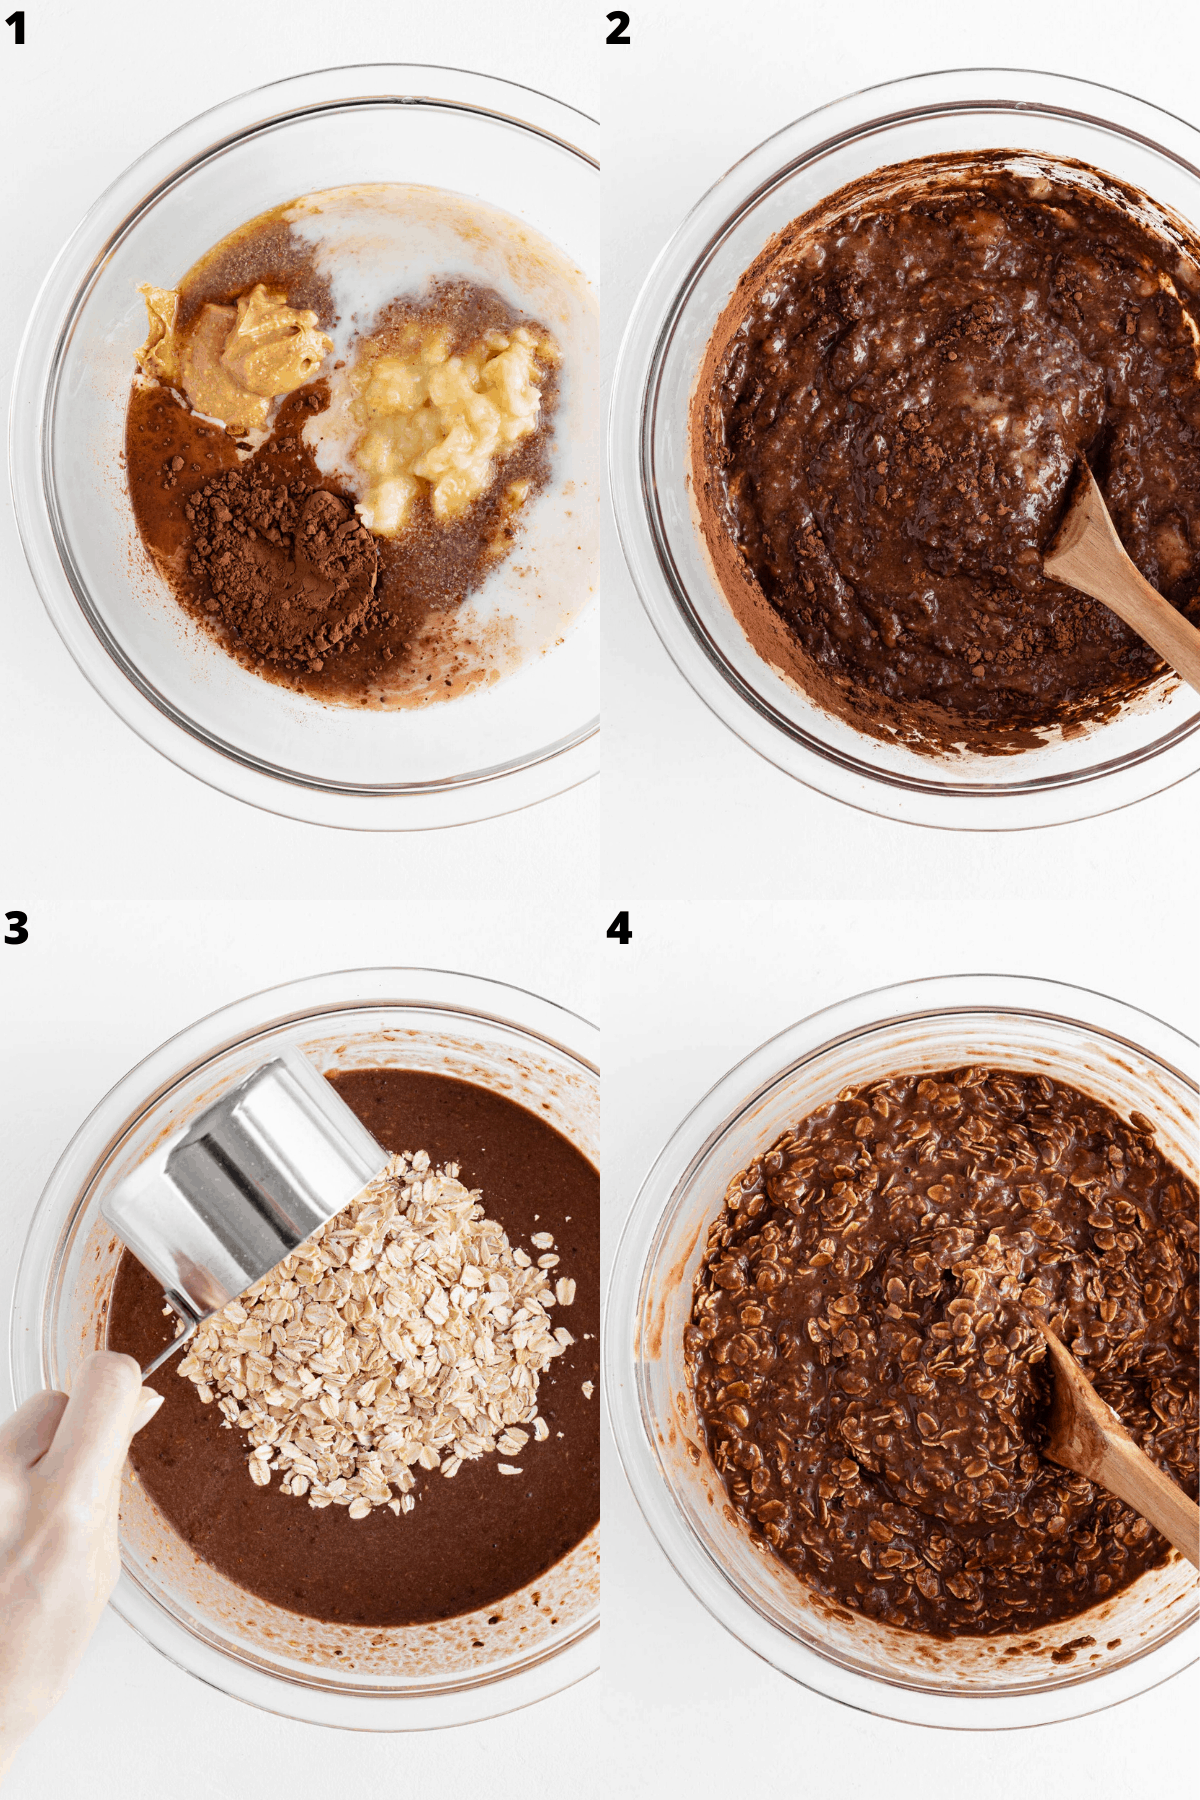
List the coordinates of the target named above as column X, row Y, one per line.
column 236, row 359
column 158, row 356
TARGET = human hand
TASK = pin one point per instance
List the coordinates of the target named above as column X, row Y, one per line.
column 60, row 1482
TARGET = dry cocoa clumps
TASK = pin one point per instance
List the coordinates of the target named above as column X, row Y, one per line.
column 291, row 570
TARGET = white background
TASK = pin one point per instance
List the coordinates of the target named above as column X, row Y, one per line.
column 154, row 899
column 755, row 901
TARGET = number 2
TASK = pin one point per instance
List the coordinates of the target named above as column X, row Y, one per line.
column 620, row 25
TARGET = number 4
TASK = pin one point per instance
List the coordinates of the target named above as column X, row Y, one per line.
column 620, row 929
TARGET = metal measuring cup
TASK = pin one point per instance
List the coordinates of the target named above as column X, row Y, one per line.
column 219, row 1205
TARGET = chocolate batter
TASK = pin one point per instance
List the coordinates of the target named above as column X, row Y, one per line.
column 886, row 428
column 471, row 1541
column 868, row 1380
column 390, row 646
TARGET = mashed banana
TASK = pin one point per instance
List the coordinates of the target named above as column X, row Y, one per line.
column 441, row 422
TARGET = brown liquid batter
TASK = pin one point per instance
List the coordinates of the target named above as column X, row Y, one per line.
column 885, row 432
column 866, row 1376
column 406, row 648
column 469, row 1541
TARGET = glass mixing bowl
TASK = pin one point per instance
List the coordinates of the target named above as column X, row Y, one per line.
column 1124, row 1058
column 526, row 737
column 1156, row 740
column 473, row 1667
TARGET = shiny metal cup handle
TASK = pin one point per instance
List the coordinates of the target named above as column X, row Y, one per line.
column 191, row 1323
column 165, row 1355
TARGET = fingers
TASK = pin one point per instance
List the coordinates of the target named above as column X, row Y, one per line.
column 147, row 1406
column 93, row 1435
column 30, row 1432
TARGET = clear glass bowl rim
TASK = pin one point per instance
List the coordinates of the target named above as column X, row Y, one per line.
column 485, row 793
column 474, row 998
column 1019, row 805
column 638, row 1240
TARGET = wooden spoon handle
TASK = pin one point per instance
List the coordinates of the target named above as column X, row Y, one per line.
column 1126, row 1471
column 1103, row 569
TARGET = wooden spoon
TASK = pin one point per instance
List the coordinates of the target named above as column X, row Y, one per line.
column 1087, row 1436
column 1087, row 554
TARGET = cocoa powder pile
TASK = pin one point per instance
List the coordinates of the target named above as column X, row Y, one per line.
column 290, row 568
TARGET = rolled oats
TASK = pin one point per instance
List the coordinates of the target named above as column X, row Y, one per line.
column 409, row 1333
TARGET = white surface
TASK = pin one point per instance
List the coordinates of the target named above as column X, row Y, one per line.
column 153, row 899
column 755, row 901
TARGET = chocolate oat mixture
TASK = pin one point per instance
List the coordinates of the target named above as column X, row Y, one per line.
column 232, row 533
column 869, row 1382
column 886, row 429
